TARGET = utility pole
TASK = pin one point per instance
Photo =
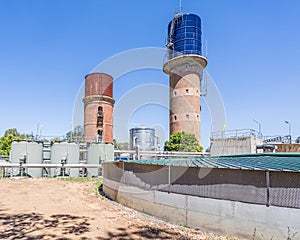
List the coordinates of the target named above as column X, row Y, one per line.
column 290, row 130
column 259, row 126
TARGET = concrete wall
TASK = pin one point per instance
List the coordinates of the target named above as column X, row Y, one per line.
column 222, row 216
column 225, row 217
column 231, row 146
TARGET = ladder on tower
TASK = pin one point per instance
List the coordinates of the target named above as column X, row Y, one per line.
column 172, row 30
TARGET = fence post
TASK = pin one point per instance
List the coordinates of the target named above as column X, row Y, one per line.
column 268, row 187
column 124, row 172
column 169, row 178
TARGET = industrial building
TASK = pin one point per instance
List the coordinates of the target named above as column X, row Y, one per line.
column 249, row 141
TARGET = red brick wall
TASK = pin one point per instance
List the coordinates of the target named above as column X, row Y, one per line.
column 185, row 101
column 98, row 84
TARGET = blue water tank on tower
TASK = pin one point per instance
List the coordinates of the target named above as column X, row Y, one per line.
column 184, row 35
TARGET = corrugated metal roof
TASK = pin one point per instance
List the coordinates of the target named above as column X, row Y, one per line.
column 274, row 161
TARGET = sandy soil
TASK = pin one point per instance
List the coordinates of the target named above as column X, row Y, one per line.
column 57, row 209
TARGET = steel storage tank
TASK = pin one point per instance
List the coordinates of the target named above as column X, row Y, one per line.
column 66, row 153
column 29, row 153
column 143, row 139
column 98, row 153
column 184, row 35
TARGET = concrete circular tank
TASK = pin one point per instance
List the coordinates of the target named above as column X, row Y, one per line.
column 29, row 153
column 65, row 153
column 98, row 153
column 143, row 139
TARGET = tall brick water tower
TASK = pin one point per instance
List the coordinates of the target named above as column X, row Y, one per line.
column 184, row 67
column 98, row 108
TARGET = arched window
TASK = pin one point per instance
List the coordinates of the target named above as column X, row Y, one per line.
column 100, row 117
column 100, row 135
column 100, row 111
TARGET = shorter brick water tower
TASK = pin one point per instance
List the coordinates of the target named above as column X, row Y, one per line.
column 98, row 108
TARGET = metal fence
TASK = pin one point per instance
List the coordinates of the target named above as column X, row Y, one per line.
column 270, row 188
column 237, row 133
column 278, row 139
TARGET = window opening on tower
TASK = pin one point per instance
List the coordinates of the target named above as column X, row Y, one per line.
column 100, row 134
column 100, row 111
column 100, row 117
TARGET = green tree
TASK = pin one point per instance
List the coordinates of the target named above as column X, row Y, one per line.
column 5, row 143
column 75, row 135
column 14, row 132
column 121, row 145
column 183, row 142
column 11, row 131
column 56, row 139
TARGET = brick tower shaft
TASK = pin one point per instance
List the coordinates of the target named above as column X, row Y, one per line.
column 185, row 101
column 185, row 73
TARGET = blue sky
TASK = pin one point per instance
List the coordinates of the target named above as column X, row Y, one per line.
column 47, row 47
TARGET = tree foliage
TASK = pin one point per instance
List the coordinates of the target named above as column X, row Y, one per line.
column 75, row 135
column 121, row 145
column 9, row 136
column 11, row 131
column 183, row 142
column 14, row 132
column 6, row 140
column 56, row 139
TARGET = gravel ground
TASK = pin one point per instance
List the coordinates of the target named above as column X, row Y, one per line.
column 58, row 209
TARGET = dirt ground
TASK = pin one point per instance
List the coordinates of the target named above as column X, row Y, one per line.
column 58, row 209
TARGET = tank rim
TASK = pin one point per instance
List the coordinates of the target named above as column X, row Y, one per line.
column 98, row 73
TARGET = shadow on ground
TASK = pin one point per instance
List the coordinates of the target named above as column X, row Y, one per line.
column 30, row 226
column 143, row 232
column 36, row 226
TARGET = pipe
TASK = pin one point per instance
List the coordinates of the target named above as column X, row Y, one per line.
column 28, row 165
